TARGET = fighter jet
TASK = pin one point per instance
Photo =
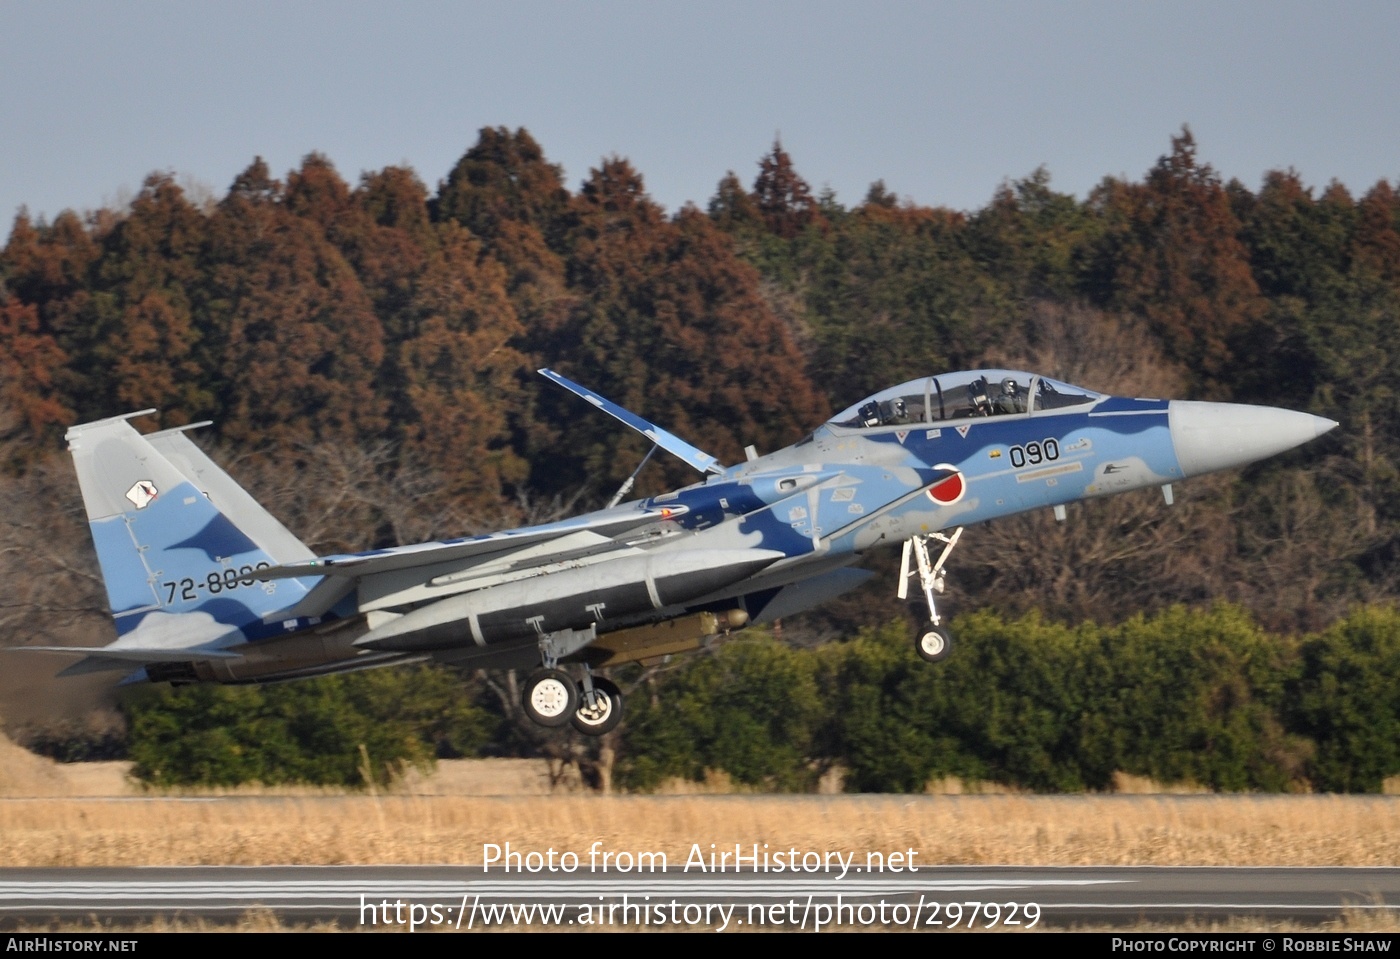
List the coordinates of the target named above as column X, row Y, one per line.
column 206, row 586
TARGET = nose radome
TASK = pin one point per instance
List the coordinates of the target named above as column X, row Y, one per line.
column 1218, row 436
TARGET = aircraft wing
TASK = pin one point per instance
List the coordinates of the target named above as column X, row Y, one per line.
column 669, row 442
column 357, row 565
column 452, row 560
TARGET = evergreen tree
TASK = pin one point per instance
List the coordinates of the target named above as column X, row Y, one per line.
column 300, row 343
column 152, row 268
column 667, row 321
column 783, row 198
column 460, row 374
column 1171, row 252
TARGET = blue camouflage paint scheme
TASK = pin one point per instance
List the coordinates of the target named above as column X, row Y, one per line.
column 1114, row 430
column 180, row 536
column 769, row 536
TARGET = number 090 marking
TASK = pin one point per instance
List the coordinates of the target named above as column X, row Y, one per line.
column 1033, row 454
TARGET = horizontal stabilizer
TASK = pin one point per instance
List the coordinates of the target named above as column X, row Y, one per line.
column 694, row 457
column 101, row 659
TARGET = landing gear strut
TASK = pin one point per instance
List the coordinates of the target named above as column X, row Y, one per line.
column 934, row 642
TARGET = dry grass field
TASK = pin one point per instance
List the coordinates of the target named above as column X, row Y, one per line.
column 93, row 815
column 52, row 815
column 310, row 829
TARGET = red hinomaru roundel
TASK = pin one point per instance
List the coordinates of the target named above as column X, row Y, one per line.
column 949, row 489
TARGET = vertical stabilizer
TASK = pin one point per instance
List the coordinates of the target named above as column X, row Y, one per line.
column 176, row 538
column 231, row 499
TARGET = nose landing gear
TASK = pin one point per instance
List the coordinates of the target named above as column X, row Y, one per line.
column 934, row 642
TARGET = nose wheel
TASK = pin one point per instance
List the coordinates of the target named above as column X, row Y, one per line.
column 934, row 642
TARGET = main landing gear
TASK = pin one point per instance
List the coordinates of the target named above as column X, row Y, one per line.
column 605, row 712
column 552, row 698
column 934, row 642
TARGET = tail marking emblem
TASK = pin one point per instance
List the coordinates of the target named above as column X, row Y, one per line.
column 143, row 494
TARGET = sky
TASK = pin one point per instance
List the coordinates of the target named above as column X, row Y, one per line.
column 943, row 101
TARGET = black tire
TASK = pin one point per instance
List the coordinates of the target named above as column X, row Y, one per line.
column 933, row 644
column 606, row 715
column 550, row 697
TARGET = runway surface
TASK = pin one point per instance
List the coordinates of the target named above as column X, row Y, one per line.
column 932, row 898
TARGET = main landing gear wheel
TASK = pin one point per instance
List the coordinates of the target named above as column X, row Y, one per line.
column 606, row 712
column 934, row 643
column 550, row 697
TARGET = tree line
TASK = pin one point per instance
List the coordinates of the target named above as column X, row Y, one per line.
column 1201, row 698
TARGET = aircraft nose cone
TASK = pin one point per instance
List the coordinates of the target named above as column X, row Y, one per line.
column 1217, row 436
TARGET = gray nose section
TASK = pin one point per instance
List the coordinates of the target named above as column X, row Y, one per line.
column 1218, row 436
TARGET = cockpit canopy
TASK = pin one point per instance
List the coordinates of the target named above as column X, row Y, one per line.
column 956, row 396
